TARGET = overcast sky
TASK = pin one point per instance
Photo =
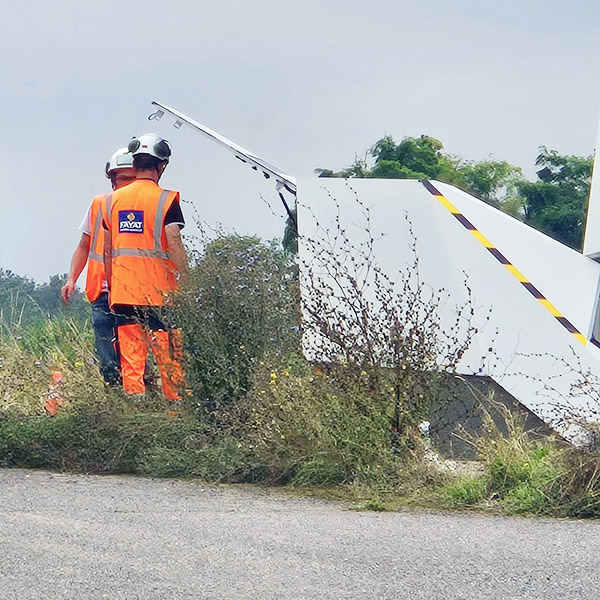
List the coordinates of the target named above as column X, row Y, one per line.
column 304, row 84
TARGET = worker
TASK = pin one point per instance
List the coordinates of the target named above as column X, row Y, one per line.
column 119, row 169
column 145, row 260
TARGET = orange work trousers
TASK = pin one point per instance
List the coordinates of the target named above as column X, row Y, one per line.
column 167, row 347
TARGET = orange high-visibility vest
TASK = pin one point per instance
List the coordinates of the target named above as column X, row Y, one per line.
column 142, row 273
column 95, row 271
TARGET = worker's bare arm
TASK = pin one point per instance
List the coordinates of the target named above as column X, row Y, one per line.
column 176, row 250
column 108, row 255
column 78, row 261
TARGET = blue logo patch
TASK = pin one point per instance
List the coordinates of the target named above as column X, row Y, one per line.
column 131, row 221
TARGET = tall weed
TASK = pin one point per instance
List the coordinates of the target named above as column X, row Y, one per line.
column 312, row 427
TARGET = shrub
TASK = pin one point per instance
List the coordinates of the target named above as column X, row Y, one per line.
column 312, row 427
column 382, row 327
column 241, row 303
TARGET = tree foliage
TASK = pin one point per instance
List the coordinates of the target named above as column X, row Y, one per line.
column 412, row 157
column 424, row 158
column 24, row 302
column 555, row 203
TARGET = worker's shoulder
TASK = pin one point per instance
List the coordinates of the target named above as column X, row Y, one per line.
column 137, row 185
column 98, row 200
column 145, row 189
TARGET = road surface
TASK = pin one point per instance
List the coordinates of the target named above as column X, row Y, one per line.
column 92, row 537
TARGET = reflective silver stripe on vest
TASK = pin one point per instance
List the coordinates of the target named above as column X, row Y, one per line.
column 142, row 253
column 92, row 255
column 108, row 203
column 158, row 219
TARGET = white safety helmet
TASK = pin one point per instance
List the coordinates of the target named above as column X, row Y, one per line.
column 121, row 159
column 151, row 144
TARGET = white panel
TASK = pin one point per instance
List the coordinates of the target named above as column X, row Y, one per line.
column 564, row 276
column 530, row 345
column 591, row 239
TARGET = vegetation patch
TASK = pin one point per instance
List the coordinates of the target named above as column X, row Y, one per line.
column 340, row 418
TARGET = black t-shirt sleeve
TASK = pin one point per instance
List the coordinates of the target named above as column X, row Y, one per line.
column 174, row 216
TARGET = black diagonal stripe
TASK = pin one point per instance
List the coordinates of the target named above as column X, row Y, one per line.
column 499, row 255
column 595, row 342
column 430, row 187
column 465, row 221
column 533, row 290
column 567, row 324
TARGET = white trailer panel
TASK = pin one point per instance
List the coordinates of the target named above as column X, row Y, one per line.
column 531, row 346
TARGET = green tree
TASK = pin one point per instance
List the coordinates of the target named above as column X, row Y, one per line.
column 15, row 298
column 412, row 158
column 424, row 158
column 495, row 182
column 556, row 203
column 358, row 168
column 23, row 302
column 486, row 178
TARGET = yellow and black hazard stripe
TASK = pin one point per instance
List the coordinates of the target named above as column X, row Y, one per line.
column 504, row 261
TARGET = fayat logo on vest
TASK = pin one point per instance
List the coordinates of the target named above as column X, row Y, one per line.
column 131, row 221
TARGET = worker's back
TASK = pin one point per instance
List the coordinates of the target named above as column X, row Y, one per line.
column 142, row 273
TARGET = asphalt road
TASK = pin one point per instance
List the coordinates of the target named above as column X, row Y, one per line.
column 84, row 537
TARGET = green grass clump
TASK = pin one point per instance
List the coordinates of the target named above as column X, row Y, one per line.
column 104, row 443
column 523, row 479
column 374, row 504
column 521, row 472
column 66, row 442
column 466, row 491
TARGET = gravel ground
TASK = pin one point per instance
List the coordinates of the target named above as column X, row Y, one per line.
column 83, row 537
